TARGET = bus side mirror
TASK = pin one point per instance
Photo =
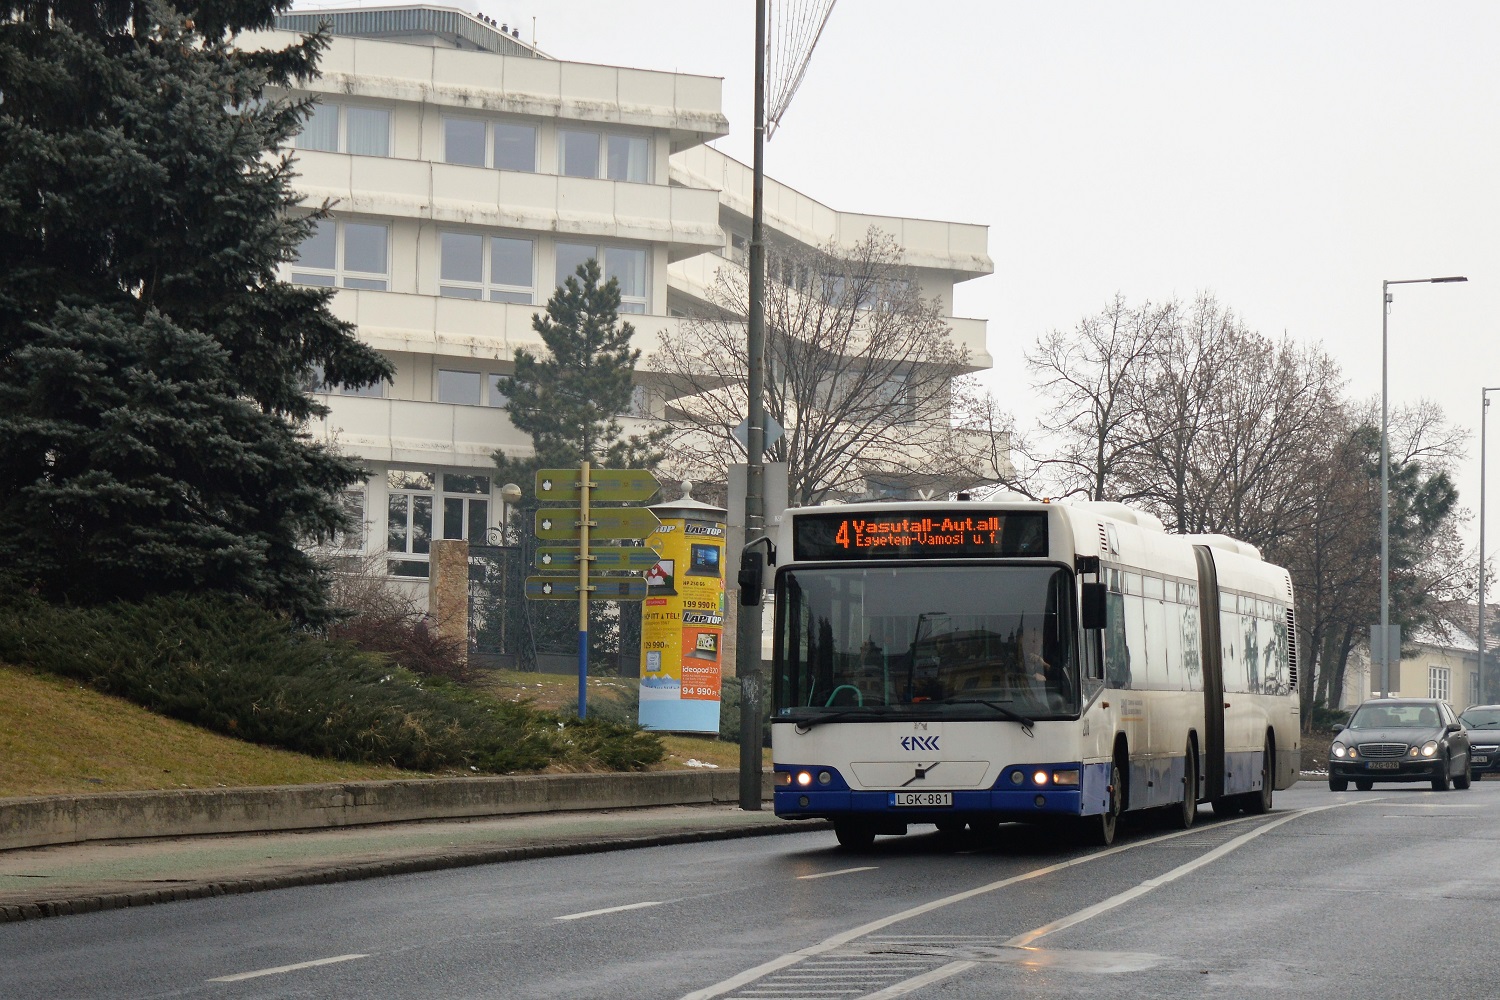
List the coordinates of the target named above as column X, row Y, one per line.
column 751, row 579
column 1093, row 605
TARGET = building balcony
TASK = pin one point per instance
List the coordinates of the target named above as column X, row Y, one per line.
column 414, row 432
column 956, row 247
column 687, row 105
column 686, row 220
column 398, row 322
column 695, row 277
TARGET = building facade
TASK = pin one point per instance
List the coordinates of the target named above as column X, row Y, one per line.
column 468, row 174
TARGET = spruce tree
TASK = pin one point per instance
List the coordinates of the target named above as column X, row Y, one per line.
column 569, row 402
column 153, row 369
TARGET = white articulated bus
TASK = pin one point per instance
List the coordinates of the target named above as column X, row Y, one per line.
column 971, row 663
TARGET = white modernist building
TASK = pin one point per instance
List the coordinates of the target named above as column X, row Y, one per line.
column 468, row 175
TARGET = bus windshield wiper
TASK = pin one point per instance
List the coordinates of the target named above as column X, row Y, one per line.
column 1005, row 712
column 805, row 724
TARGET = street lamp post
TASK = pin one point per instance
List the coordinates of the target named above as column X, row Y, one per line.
column 1385, row 495
column 1484, row 411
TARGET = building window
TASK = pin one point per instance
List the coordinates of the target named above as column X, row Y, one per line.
column 500, row 268
column 625, row 264
column 466, row 507
column 471, row 388
column 738, row 249
column 321, row 384
column 502, row 145
column 348, row 254
column 514, row 146
column 625, row 158
column 335, row 128
column 463, row 141
column 896, row 396
column 498, row 397
column 1438, row 685
column 612, row 156
column 352, row 503
column 408, row 522
column 321, row 129
column 459, row 387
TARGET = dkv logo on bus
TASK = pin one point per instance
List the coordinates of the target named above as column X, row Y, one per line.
column 919, row 743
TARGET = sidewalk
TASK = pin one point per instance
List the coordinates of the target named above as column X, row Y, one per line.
column 105, row 875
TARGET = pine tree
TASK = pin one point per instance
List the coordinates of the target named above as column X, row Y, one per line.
column 569, row 402
column 153, row 369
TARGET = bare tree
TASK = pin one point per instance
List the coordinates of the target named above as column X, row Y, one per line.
column 1093, row 376
column 861, row 372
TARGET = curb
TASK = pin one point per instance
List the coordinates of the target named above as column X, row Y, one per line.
column 43, row 821
column 15, row 912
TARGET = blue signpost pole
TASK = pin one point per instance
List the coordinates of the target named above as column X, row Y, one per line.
column 583, row 590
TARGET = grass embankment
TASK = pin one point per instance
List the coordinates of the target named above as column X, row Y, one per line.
column 59, row 737
column 177, row 693
column 237, row 671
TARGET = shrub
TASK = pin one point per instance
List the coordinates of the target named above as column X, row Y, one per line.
column 376, row 617
column 238, row 670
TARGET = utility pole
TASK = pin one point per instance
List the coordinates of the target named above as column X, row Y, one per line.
column 748, row 633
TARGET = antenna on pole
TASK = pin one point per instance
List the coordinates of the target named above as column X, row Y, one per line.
column 795, row 28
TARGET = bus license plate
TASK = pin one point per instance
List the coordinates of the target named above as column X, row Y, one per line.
column 1383, row 765
column 921, row 798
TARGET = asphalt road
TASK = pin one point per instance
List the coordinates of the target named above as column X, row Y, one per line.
column 1356, row 895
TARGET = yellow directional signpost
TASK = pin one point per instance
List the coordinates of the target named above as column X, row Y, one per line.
column 572, row 571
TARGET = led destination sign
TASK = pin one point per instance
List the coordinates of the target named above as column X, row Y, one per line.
column 925, row 534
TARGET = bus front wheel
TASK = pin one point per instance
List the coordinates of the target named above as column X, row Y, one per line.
column 1099, row 830
column 853, row 834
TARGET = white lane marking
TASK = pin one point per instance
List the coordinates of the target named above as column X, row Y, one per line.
column 917, row 982
column 839, row 940
column 237, row 977
column 1022, row 940
column 608, row 909
column 841, row 871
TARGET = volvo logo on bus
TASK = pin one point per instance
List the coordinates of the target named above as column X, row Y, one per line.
column 919, row 743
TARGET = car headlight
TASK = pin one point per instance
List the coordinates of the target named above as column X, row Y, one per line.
column 1429, row 748
column 1339, row 750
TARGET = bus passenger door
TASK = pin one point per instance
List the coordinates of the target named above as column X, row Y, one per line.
column 1213, row 672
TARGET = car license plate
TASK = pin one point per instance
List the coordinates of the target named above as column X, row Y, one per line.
column 1382, row 765
column 1479, row 758
column 921, row 798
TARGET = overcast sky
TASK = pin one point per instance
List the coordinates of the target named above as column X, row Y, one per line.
column 1285, row 156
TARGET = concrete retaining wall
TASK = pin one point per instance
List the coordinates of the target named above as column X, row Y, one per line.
column 35, row 822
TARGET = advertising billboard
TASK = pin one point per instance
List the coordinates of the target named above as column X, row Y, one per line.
column 682, row 624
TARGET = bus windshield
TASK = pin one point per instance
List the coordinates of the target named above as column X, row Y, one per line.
column 942, row 640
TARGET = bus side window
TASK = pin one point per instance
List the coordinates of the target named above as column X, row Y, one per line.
column 1116, row 652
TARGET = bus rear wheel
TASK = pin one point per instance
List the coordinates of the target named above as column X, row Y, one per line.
column 1185, row 813
column 1256, row 803
column 853, row 834
column 1226, row 806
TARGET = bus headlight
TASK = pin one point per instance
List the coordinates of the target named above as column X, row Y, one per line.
column 1040, row 777
column 1068, row 778
column 783, row 777
column 804, row 779
column 824, row 777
